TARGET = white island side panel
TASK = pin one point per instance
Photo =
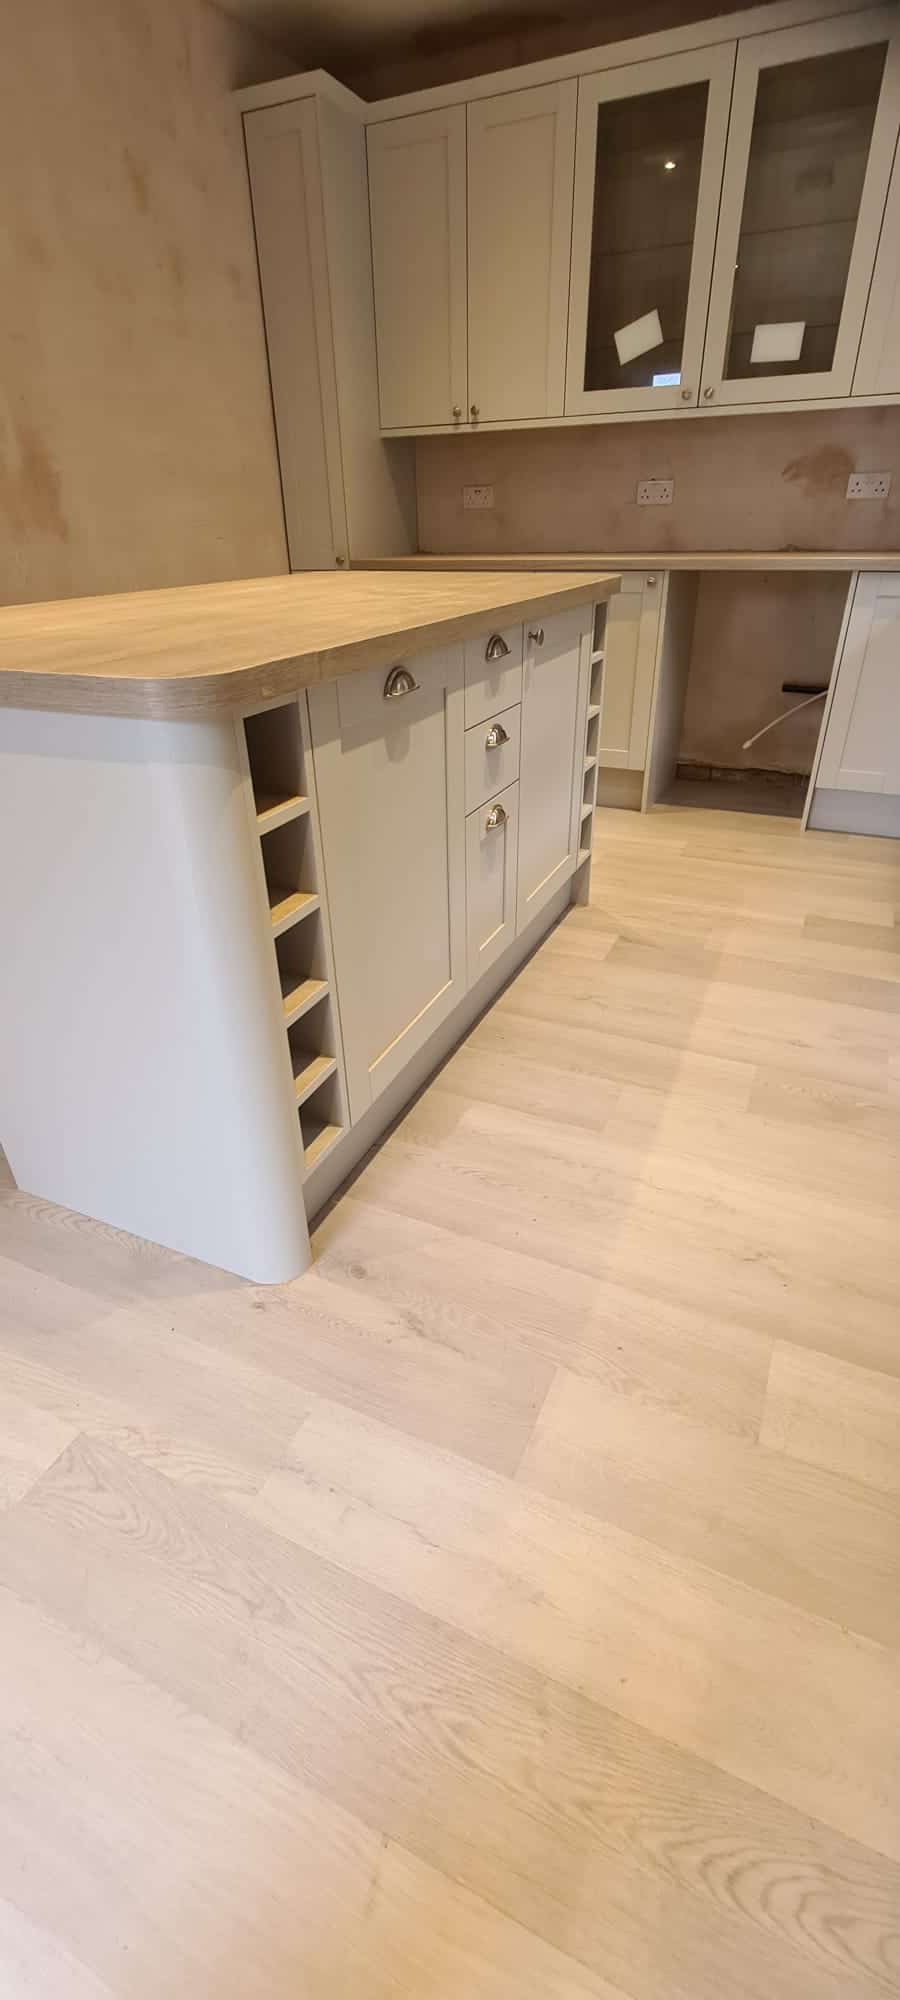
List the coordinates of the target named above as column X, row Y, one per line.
column 142, row 1058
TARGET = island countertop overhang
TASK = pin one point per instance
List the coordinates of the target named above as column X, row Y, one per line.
column 203, row 650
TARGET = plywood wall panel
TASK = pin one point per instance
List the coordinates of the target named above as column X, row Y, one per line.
column 750, row 482
column 136, row 441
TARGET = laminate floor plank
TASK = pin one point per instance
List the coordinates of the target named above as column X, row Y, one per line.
column 508, row 1608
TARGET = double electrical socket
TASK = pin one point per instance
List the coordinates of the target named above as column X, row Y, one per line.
column 868, row 485
column 655, row 492
column 478, row 497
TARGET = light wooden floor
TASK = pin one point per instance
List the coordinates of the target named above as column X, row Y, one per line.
column 510, row 1610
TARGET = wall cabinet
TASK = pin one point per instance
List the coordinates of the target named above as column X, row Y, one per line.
column 651, row 143
column 693, row 230
column 417, row 196
column 810, row 145
column 520, row 159
column 347, row 492
column 390, row 778
column 629, row 663
column 551, row 756
column 861, row 749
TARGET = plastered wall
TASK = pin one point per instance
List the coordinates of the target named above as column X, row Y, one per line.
column 136, row 442
column 750, row 482
column 751, row 633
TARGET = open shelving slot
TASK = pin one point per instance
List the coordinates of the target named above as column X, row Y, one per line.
column 277, row 743
column 289, row 864
column 275, row 757
column 321, row 1123
column 598, row 636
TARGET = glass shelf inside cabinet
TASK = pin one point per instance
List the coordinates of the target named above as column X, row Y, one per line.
column 646, row 183
column 812, row 128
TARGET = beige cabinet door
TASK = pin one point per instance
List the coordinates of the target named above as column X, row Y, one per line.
column 417, row 197
column 629, row 664
column 878, row 365
column 551, row 755
column 861, row 750
column 648, row 172
column 389, row 774
column 492, row 842
column 810, row 145
column 521, row 163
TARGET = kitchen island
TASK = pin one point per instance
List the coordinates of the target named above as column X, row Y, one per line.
column 269, row 848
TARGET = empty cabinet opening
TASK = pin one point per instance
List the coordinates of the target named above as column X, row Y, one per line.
column 302, row 970
column 275, row 756
column 763, row 645
column 290, row 870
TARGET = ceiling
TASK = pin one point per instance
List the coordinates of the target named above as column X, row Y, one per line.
column 322, row 31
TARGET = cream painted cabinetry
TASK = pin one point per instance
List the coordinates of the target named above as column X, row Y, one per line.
column 861, row 748
column 633, row 623
column 551, row 757
column 417, row 197
column 347, row 492
column 471, row 211
column 492, row 849
column 651, row 143
column 810, row 144
column 390, row 778
column 520, row 160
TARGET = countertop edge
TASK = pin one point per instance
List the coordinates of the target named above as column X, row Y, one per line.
column 800, row 560
column 235, row 690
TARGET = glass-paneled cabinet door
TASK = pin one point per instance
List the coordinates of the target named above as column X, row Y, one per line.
column 649, row 156
column 812, row 135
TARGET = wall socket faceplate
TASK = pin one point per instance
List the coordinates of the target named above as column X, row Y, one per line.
column 868, row 485
column 478, row 497
column 655, row 492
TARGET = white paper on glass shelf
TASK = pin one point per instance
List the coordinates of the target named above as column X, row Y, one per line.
column 779, row 341
column 638, row 337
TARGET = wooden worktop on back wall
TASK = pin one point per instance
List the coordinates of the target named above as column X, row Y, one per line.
column 213, row 648
column 746, row 560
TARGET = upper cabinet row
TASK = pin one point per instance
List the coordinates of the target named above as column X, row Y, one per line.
column 709, row 229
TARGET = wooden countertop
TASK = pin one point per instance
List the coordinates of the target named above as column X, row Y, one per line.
column 208, row 649
column 705, row 559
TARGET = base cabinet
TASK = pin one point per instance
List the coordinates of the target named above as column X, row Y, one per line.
column 629, row 663
column 861, row 750
column 492, row 846
column 551, row 757
column 391, row 785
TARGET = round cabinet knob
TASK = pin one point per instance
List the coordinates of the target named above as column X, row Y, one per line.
column 457, row 412
column 537, row 636
column 473, row 412
column 650, row 582
column 708, row 394
column 340, row 561
column 686, row 395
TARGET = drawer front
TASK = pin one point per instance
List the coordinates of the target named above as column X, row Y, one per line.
column 493, row 676
column 492, row 756
column 492, row 845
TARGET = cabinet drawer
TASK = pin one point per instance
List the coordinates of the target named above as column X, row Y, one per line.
column 492, row 756
column 492, row 845
column 493, row 684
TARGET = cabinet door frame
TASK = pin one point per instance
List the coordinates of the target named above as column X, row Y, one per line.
column 650, row 588
column 847, row 677
column 640, row 79
column 447, row 123
column 341, row 817
column 544, row 305
column 531, row 899
column 878, row 363
column 758, row 52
